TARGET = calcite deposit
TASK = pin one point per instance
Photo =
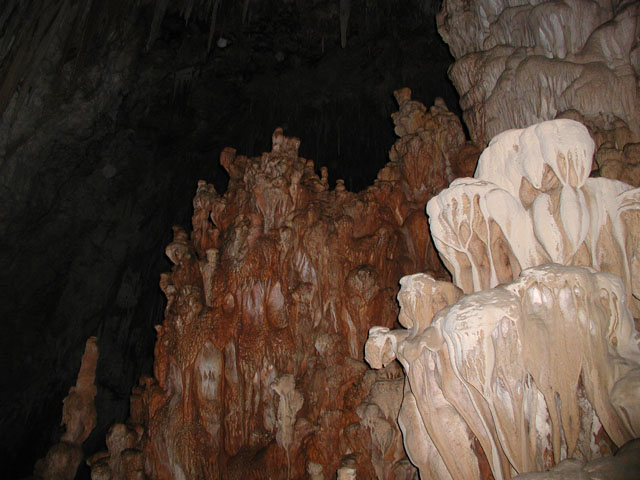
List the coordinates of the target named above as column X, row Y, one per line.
column 78, row 418
column 540, row 362
column 522, row 62
column 518, row 63
column 625, row 465
column 531, row 202
column 533, row 372
column 258, row 367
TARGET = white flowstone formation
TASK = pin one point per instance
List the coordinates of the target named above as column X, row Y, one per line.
column 523, row 61
column 532, row 202
column 522, row 373
column 534, row 372
column 289, row 405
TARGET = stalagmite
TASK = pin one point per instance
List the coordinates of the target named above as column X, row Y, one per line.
column 315, row 471
column 79, row 418
column 378, row 414
column 345, row 12
column 289, row 404
column 123, row 458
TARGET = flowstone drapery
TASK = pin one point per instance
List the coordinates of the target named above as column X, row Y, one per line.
column 532, row 202
column 525, row 372
column 522, row 62
column 544, row 368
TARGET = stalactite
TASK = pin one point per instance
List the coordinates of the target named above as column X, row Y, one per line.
column 212, row 24
column 245, row 10
column 345, row 12
column 158, row 16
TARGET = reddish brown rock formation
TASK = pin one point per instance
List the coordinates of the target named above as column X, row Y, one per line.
column 79, row 418
column 124, row 458
column 259, row 368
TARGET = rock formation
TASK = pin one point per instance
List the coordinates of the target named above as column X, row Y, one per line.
column 110, row 111
column 539, row 370
column 258, row 365
column 519, row 63
column 123, row 459
column 79, row 418
column 532, row 202
column 624, row 465
column 522, row 372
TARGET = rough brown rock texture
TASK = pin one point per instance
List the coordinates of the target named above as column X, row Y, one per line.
column 258, row 367
column 79, row 418
column 522, row 62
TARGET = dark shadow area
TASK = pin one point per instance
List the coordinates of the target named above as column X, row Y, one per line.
column 104, row 153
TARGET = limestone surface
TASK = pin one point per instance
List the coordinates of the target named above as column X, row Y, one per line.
column 258, row 368
column 531, row 202
column 521, row 62
column 625, row 465
column 539, row 365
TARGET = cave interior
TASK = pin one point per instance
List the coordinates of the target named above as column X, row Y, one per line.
column 112, row 112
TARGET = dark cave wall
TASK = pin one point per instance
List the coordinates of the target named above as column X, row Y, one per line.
column 102, row 142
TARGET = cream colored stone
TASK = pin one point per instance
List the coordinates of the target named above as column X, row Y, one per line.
column 532, row 202
column 532, row 370
column 289, row 404
column 315, row 471
column 625, row 465
column 535, row 369
column 522, row 62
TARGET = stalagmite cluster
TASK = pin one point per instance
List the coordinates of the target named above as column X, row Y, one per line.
column 539, row 370
column 258, row 365
column 540, row 362
column 79, row 418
